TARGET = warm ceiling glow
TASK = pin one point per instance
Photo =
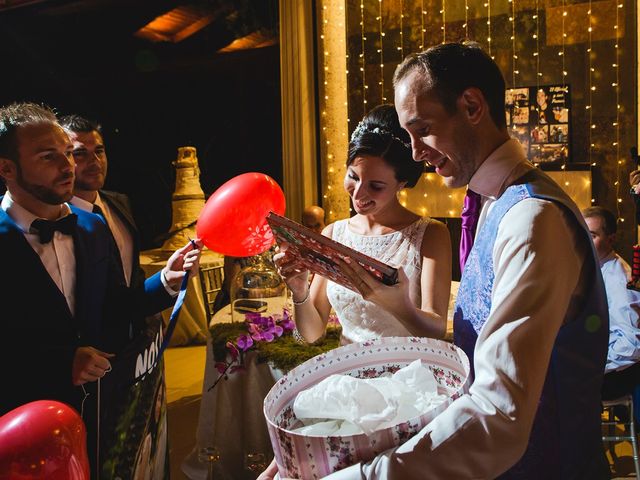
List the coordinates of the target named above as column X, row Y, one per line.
column 176, row 25
column 253, row 40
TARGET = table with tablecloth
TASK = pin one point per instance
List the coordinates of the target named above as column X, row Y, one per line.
column 192, row 324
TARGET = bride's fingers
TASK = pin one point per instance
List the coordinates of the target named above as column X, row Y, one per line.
column 290, row 269
column 357, row 275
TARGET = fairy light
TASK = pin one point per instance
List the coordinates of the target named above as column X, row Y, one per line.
column 562, row 48
column 488, row 6
column 443, row 12
column 591, row 86
column 334, row 118
column 363, row 62
column 536, row 37
column 537, row 43
column 323, row 116
column 564, row 68
column 514, row 59
column 423, row 30
column 466, row 19
column 616, row 86
column 380, row 51
column 401, row 47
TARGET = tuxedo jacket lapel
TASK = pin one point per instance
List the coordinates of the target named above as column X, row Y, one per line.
column 120, row 206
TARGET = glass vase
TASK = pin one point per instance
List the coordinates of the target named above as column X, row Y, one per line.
column 258, row 288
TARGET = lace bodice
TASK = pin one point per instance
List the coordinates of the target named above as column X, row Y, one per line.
column 363, row 320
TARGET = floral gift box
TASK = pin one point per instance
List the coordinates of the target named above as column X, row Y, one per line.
column 310, row 457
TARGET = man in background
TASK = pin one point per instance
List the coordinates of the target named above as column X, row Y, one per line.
column 89, row 153
column 622, row 371
column 313, row 218
column 90, row 156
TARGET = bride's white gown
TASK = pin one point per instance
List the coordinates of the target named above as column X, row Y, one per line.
column 362, row 320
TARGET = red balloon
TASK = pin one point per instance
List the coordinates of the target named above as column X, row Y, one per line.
column 43, row 440
column 233, row 221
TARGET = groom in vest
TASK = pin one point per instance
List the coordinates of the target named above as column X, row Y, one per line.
column 531, row 312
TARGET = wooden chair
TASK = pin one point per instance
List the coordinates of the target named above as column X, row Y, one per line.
column 211, row 278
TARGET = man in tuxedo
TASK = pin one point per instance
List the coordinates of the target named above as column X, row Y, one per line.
column 90, row 156
column 67, row 311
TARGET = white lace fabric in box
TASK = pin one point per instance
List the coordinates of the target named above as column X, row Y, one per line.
column 344, row 405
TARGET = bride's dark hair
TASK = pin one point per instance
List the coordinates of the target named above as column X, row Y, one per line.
column 379, row 134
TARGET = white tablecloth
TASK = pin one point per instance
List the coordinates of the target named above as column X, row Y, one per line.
column 231, row 419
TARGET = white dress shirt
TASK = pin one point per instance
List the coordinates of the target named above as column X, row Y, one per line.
column 57, row 256
column 624, row 310
column 119, row 230
column 537, row 258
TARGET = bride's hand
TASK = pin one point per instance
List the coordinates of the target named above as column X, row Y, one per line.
column 392, row 298
column 294, row 274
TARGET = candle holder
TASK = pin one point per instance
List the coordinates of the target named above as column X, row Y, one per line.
column 209, row 455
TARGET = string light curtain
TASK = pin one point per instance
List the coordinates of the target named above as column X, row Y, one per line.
column 401, row 47
column 466, row 19
column 514, row 50
column 383, row 99
column 616, row 124
column 443, row 27
column 579, row 44
column 363, row 59
column 333, row 103
column 423, row 30
column 488, row 5
column 589, row 106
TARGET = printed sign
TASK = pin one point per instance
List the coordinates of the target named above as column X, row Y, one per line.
column 133, row 433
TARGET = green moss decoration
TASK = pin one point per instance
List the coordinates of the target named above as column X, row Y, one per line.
column 283, row 353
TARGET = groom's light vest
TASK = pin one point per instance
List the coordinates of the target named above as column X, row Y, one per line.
column 565, row 442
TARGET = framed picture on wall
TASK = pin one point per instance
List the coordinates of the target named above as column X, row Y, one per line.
column 539, row 117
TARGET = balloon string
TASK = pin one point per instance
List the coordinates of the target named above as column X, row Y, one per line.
column 98, row 436
column 82, row 404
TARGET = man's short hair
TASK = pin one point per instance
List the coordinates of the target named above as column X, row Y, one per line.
column 451, row 68
column 19, row 115
column 608, row 218
column 76, row 123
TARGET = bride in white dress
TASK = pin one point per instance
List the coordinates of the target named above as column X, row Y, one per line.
column 379, row 165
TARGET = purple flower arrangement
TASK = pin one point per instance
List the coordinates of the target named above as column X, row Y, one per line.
column 259, row 329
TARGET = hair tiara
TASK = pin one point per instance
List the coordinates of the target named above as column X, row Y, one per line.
column 361, row 129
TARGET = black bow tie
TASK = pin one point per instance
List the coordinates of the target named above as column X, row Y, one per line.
column 46, row 228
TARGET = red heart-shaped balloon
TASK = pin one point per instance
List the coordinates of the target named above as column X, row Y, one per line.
column 41, row 440
column 233, row 221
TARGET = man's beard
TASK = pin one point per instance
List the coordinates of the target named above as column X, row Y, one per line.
column 42, row 193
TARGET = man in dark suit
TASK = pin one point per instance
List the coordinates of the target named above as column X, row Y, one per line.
column 90, row 155
column 66, row 309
